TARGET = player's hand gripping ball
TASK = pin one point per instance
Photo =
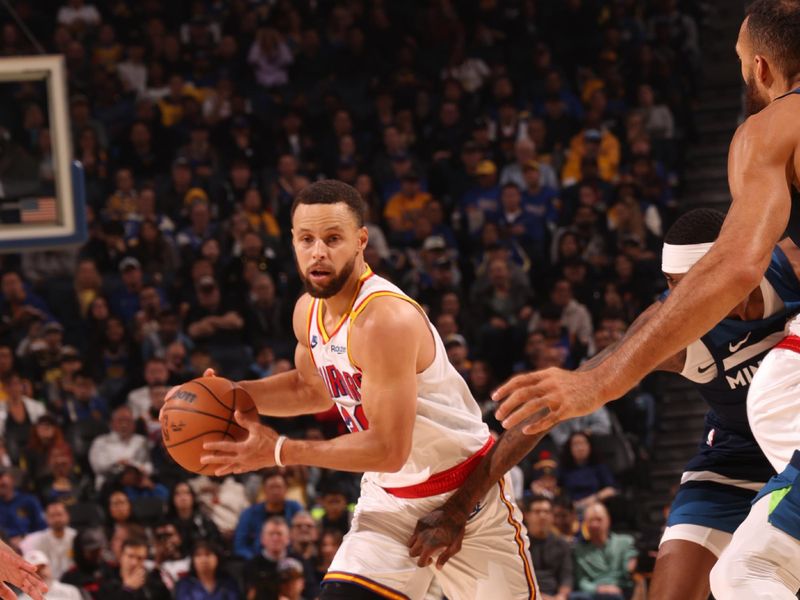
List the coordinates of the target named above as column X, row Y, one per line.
column 202, row 411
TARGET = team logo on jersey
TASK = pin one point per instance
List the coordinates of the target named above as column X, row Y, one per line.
column 478, row 508
column 704, row 370
column 735, row 347
column 313, row 341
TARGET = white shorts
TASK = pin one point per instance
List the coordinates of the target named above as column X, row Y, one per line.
column 760, row 563
column 713, row 540
column 494, row 561
column 773, row 405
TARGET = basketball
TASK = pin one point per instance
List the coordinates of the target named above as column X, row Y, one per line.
column 201, row 411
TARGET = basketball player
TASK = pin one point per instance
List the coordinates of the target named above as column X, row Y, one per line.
column 722, row 479
column 416, row 431
column 763, row 559
column 20, row 573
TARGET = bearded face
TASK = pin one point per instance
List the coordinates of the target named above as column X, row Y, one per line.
column 755, row 99
column 321, row 281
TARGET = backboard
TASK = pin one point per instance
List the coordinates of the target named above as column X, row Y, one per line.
column 42, row 194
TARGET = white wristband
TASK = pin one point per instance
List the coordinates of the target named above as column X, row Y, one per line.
column 278, row 446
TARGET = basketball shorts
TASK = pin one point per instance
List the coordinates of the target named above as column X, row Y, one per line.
column 773, row 402
column 783, row 505
column 708, row 508
column 494, row 561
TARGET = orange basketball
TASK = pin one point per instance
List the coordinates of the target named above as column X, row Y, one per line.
column 201, row 411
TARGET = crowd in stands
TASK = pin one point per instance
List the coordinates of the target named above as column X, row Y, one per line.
column 520, row 160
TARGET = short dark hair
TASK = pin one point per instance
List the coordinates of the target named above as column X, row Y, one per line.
column 536, row 498
column 135, row 542
column 698, row 226
column 333, row 191
column 774, row 27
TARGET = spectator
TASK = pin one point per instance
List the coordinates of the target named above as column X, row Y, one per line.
column 156, row 377
column 55, row 589
column 167, row 332
column 18, row 414
column 115, row 360
column 597, row 423
column 133, row 581
column 604, row 560
column 20, row 513
column 551, row 555
column 91, row 570
column 261, row 221
column 544, row 477
column 66, row 482
column 292, row 581
column 193, row 526
column 171, row 563
column 574, row 315
column 304, row 541
column 329, row 542
column 525, row 155
column 119, row 509
column 111, row 452
column 262, row 568
column 270, row 57
column 595, row 144
column 658, row 119
column 123, row 532
column 213, row 321
column 207, row 579
column 565, row 519
column 582, row 474
column 333, row 512
column 248, row 536
column 407, row 205
column 83, row 403
column 267, row 318
column 518, row 225
column 55, row 542
column 457, row 353
column 481, row 200
column 152, row 245
column 19, row 309
column 223, row 501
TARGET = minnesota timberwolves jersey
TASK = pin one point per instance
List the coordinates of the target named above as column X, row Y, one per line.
column 448, row 428
column 722, row 365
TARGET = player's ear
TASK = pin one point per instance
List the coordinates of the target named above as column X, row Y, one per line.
column 363, row 238
column 762, row 71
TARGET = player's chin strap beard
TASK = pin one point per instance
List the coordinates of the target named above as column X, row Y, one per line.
column 677, row 259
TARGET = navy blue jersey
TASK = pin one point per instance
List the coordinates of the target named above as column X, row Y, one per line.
column 734, row 350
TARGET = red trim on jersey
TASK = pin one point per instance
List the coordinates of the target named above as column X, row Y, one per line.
column 446, row 481
column 308, row 331
column 790, row 342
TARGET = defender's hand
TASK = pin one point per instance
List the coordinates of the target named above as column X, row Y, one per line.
column 547, row 398
column 439, row 530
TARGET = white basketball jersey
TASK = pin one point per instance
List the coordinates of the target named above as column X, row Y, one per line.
column 448, row 428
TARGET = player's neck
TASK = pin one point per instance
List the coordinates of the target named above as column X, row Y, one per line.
column 789, row 86
column 339, row 304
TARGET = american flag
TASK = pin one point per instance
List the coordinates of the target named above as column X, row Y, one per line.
column 37, row 210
